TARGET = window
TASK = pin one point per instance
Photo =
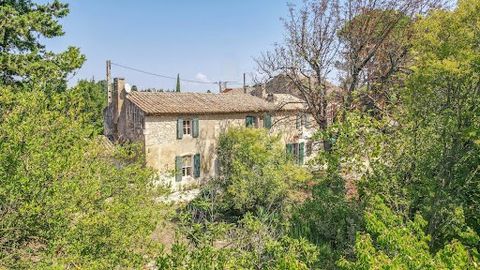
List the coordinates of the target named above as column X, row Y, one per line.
column 296, row 151
column 298, row 122
column 251, row 121
column 187, row 128
column 186, row 166
column 267, row 121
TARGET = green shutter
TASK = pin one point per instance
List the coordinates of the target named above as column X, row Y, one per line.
column 289, row 148
column 195, row 128
column 249, row 121
column 178, row 168
column 301, row 153
column 267, row 121
column 179, row 128
column 196, row 165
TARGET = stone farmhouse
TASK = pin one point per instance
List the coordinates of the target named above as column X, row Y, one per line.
column 179, row 131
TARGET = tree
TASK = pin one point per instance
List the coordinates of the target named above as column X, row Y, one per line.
column 88, row 99
column 374, row 35
column 329, row 219
column 391, row 243
column 177, row 88
column 63, row 191
column 381, row 72
column 251, row 244
column 24, row 61
column 307, row 54
column 254, row 175
column 424, row 157
column 362, row 41
column 442, row 100
column 63, row 188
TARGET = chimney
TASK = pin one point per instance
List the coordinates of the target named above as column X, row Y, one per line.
column 118, row 97
column 264, row 90
column 270, row 97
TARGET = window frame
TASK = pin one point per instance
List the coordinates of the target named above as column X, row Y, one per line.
column 187, row 127
column 187, row 167
column 295, row 152
column 254, row 121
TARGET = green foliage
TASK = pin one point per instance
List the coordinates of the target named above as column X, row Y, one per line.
column 422, row 155
column 24, row 61
column 252, row 244
column 67, row 198
column 254, row 173
column 443, row 100
column 239, row 220
column 87, row 101
column 391, row 243
column 329, row 220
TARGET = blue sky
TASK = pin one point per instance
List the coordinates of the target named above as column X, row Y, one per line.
column 202, row 40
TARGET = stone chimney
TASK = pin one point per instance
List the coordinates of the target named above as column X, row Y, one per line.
column 270, row 97
column 264, row 91
column 118, row 97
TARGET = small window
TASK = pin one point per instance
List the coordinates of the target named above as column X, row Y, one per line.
column 298, row 122
column 186, row 166
column 296, row 151
column 187, row 127
column 251, row 121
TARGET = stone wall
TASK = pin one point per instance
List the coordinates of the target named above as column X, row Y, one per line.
column 162, row 145
column 131, row 123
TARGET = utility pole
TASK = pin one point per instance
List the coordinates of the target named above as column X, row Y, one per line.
column 244, row 84
column 109, row 78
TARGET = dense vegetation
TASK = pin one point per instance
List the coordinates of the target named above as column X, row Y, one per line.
column 399, row 187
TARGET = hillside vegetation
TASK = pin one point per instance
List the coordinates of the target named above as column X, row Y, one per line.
column 398, row 186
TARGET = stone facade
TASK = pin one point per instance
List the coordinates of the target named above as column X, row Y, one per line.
column 163, row 147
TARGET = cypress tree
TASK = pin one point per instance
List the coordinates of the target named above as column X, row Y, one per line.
column 178, row 83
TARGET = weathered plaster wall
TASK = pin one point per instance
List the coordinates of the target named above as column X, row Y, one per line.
column 162, row 146
column 285, row 124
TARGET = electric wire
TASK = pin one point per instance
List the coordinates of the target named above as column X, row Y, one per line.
column 165, row 76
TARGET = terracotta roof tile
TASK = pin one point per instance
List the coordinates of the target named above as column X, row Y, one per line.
column 197, row 103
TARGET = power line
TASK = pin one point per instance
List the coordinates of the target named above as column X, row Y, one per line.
column 160, row 75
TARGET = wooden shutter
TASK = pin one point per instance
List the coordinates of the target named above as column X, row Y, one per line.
column 195, row 128
column 301, row 153
column 249, row 121
column 178, row 168
column 267, row 121
column 196, row 165
column 289, row 148
column 179, row 128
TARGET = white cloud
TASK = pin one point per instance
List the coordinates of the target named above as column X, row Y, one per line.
column 202, row 77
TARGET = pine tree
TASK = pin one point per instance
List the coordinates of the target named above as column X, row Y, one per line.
column 178, row 83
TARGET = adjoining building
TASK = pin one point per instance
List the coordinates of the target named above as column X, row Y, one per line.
column 179, row 131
